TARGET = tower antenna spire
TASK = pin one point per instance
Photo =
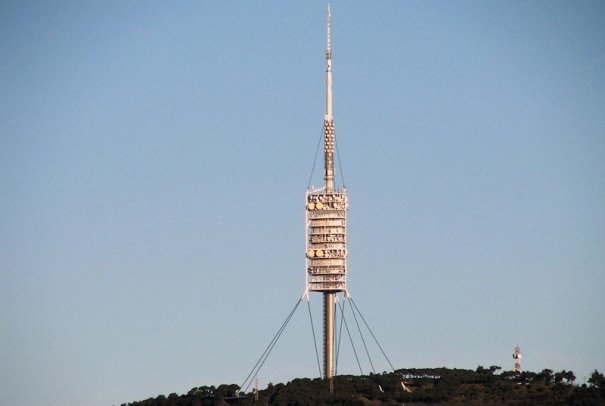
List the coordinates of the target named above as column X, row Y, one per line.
column 329, row 30
column 329, row 119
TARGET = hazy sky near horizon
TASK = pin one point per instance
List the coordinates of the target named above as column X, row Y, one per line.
column 154, row 158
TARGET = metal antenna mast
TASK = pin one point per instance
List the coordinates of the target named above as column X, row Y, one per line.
column 329, row 119
column 517, row 358
column 326, row 229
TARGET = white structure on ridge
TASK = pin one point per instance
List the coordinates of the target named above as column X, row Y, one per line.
column 517, row 358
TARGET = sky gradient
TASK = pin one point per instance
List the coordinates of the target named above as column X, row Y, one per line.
column 154, row 158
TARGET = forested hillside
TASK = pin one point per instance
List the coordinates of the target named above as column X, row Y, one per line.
column 483, row 386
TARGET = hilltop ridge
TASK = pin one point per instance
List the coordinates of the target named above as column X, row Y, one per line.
column 407, row 386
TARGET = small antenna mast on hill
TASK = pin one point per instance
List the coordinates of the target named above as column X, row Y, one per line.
column 517, row 358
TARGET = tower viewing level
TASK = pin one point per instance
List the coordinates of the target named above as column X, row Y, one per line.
column 326, row 222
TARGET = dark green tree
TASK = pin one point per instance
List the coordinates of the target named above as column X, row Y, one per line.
column 546, row 376
column 597, row 379
column 570, row 377
column 482, row 370
column 494, row 369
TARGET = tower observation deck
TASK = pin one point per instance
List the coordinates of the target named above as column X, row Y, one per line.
column 326, row 223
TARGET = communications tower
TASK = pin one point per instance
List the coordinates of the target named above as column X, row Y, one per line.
column 517, row 358
column 326, row 224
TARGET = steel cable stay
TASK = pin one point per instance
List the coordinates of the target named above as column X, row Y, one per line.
column 362, row 339
column 373, row 336
column 261, row 361
column 321, row 137
column 344, row 320
column 338, row 341
column 314, row 339
column 342, row 174
column 342, row 177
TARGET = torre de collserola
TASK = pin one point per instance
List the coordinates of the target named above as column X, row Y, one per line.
column 326, row 222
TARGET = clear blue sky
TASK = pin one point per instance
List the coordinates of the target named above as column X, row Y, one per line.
column 154, row 158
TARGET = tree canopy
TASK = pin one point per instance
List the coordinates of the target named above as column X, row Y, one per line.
column 409, row 386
